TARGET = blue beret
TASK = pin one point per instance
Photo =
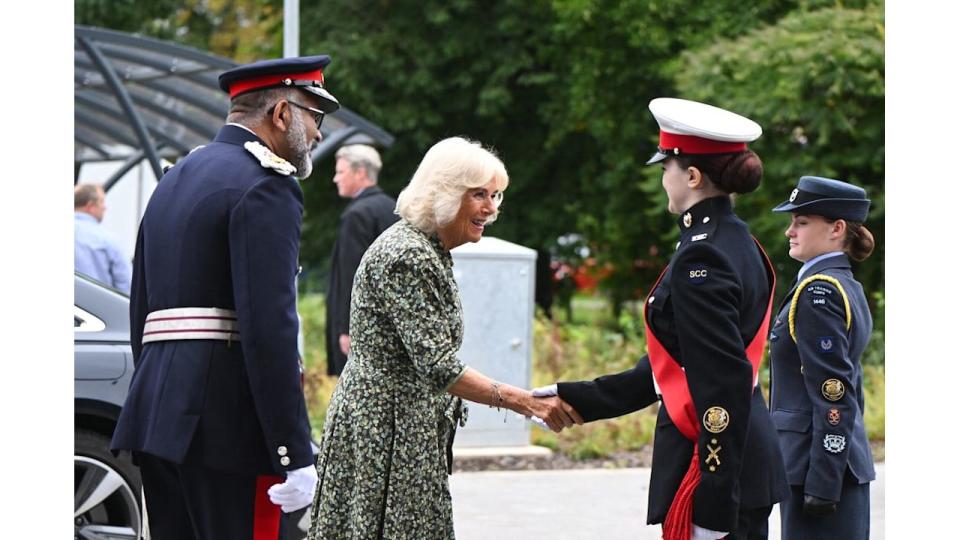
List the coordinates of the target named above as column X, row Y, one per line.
column 828, row 198
column 304, row 72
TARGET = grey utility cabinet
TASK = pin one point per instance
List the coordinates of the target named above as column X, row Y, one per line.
column 496, row 281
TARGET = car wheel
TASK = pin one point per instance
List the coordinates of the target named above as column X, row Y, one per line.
column 106, row 491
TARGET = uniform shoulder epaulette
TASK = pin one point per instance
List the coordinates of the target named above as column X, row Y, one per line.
column 796, row 296
column 268, row 159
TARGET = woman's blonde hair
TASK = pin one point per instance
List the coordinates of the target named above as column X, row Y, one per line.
column 451, row 167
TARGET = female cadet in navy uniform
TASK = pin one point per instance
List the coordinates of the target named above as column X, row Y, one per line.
column 818, row 336
column 717, row 469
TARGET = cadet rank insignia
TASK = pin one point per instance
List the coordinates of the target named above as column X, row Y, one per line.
column 714, row 455
column 716, row 419
column 832, row 389
column 833, row 417
column 826, row 344
column 834, row 443
column 268, row 159
column 687, row 219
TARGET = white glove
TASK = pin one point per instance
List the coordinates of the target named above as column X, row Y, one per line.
column 297, row 492
column 536, row 421
column 699, row 533
column 545, row 391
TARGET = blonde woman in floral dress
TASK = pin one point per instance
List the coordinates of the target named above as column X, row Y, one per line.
column 384, row 457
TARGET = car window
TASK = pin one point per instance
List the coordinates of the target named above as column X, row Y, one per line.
column 84, row 321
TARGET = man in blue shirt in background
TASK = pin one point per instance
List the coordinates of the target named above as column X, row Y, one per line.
column 95, row 252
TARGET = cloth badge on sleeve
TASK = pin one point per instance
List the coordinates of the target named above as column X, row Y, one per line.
column 833, row 417
column 834, row 443
column 819, row 290
column 817, row 301
column 698, row 274
column 826, row 344
column 832, row 389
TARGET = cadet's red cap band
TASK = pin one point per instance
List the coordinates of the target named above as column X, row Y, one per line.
column 690, row 144
column 267, row 81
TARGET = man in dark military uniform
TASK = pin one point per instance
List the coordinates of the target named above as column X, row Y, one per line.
column 816, row 389
column 369, row 213
column 717, row 469
column 215, row 415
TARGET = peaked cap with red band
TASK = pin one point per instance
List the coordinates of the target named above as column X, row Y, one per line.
column 304, row 72
column 689, row 127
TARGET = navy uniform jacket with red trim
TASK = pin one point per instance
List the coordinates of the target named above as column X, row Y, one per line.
column 821, row 429
column 220, row 231
column 706, row 309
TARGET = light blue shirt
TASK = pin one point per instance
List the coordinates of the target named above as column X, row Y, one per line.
column 96, row 253
column 814, row 261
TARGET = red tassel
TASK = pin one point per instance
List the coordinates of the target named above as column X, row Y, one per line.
column 679, row 522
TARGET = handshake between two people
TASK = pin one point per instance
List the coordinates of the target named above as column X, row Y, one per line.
column 540, row 403
column 556, row 414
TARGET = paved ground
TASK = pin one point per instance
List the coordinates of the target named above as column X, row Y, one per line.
column 574, row 504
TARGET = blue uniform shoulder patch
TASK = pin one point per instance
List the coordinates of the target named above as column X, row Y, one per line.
column 826, row 344
column 698, row 273
column 819, row 290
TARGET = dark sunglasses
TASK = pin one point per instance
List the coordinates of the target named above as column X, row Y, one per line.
column 317, row 113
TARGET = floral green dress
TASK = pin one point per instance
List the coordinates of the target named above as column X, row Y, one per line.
column 384, row 457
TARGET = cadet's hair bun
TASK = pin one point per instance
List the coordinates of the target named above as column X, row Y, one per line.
column 859, row 242
column 732, row 173
column 741, row 174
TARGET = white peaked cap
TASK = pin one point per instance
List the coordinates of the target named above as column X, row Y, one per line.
column 685, row 117
column 691, row 127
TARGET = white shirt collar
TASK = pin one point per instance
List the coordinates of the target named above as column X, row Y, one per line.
column 814, row 261
column 241, row 126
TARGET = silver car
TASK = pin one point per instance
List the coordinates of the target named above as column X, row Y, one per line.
column 107, row 487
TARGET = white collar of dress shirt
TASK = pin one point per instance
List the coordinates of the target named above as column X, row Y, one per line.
column 814, row 261
column 241, row 126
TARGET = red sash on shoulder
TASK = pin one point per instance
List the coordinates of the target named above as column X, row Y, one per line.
column 672, row 381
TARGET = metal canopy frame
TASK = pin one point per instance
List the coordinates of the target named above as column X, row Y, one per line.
column 138, row 98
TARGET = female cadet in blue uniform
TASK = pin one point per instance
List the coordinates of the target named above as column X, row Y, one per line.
column 706, row 329
column 818, row 336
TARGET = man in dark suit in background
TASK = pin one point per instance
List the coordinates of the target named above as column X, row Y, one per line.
column 369, row 213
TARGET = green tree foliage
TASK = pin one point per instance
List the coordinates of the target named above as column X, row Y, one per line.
column 434, row 69
column 243, row 30
column 560, row 89
column 815, row 82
